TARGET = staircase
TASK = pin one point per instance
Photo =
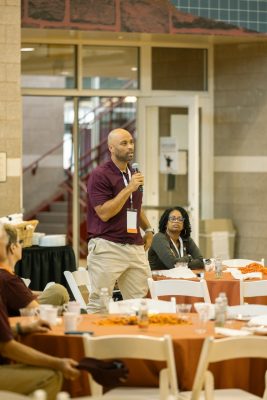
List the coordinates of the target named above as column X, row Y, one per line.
column 54, row 220
column 55, row 213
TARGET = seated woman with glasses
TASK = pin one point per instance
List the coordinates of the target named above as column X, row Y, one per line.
column 173, row 243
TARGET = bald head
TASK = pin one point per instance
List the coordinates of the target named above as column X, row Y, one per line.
column 116, row 135
column 121, row 147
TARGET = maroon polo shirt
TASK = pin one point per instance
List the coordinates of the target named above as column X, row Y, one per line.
column 5, row 331
column 104, row 183
column 14, row 292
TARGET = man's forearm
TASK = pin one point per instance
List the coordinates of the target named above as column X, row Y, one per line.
column 111, row 207
column 26, row 355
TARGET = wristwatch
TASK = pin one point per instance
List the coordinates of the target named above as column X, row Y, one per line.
column 150, row 230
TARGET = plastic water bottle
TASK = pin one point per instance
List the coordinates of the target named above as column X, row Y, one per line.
column 143, row 319
column 104, row 300
column 223, row 296
column 218, row 267
column 39, row 394
column 219, row 312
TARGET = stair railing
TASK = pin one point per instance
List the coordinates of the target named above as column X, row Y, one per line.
column 96, row 155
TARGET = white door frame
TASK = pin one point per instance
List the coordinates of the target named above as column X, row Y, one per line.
column 148, row 151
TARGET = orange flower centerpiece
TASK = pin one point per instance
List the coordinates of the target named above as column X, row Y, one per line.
column 253, row 267
column 156, row 319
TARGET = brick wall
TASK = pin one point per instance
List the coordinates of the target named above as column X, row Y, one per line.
column 241, row 144
column 10, row 105
column 151, row 16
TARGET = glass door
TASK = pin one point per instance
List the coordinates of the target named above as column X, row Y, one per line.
column 168, row 154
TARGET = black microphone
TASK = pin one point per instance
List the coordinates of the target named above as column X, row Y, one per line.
column 135, row 170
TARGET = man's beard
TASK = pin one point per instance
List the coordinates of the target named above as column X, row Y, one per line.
column 125, row 157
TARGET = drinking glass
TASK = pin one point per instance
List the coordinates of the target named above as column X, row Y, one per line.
column 70, row 321
column 30, row 312
column 208, row 264
column 203, row 310
column 183, row 310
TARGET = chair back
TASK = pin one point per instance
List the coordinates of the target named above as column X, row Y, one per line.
column 252, row 289
column 176, row 287
column 132, row 305
column 26, row 281
column 81, row 277
column 215, row 350
column 74, row 287
column 247, row 310
column 136, row 347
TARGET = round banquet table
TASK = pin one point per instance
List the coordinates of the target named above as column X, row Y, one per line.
column 247, row 374
column 226, row 284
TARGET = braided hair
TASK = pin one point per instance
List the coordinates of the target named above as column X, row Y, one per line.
column 164, row 220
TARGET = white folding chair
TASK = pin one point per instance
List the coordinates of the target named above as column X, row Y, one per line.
column 247, row 310
column 99, row 398
column 137, row 347
column 176, row 287
column 252, row 289
column 76, row 279
column 240, row 262
column 26, row 281
column 215, row 350
column 132, row 305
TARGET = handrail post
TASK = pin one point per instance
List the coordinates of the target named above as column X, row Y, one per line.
column 75, row 194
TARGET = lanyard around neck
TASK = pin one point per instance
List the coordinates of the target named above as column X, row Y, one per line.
column 181, row 251
column 126, row 184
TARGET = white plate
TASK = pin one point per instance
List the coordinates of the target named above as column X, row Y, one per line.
column 242, row 317
column 260, row 320
column 53, row 240
column 262, row 330
column 231, row 332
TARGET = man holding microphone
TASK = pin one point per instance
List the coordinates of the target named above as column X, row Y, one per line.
column 116, row 249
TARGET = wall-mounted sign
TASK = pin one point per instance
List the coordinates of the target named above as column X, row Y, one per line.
column 169, row 155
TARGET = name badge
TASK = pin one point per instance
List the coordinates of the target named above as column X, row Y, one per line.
column 131, row 220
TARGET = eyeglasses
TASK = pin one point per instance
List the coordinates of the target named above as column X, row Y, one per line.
column 176, row 219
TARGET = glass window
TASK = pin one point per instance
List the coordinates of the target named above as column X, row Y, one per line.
column 110, row 67
column 179, row 69
column 48, row 66
column 214, row 14
column 47, row 147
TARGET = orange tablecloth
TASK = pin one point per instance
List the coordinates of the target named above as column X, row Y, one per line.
column 226, row 284
column 246, row 374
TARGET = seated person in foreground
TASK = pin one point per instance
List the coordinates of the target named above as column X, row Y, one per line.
column 173, row 242
column 14, row 292
column 35, row 370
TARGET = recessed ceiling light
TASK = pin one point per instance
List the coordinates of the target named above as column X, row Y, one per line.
column 134, row 69
column 27, row 49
